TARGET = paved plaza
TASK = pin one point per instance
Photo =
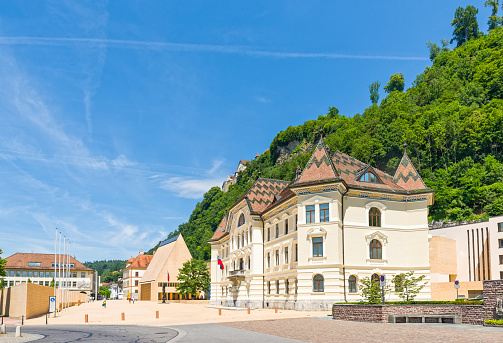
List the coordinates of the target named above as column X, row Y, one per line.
column 198, row 322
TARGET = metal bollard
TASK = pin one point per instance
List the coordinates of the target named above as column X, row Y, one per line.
column 46, row 319
column 123, row 316
column 219, row 311
column 22, row 320
column 18, row 331
column 275, row 309
column 157, row 314
column 87, row 319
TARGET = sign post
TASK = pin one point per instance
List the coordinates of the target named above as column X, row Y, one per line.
column 52, row 304
column 382, row 283
column 456, row 285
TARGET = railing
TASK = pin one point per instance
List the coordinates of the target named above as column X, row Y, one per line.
column 237, row 273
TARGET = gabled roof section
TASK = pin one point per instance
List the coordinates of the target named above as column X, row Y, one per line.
column 261, row 193
column 221, row 230
column 140, row 262
column 367, row 169
column 319, row 167
column 20, row 261
column 406, row 175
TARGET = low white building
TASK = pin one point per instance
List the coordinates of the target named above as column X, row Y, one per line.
column 479, row 250
column 306, row 244
column 132, row 274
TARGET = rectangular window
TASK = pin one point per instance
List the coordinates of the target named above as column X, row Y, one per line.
column 500, row 243
column 30, row 273
column 268, row 233
column 83, row 274
column 18, row 273
column 268, row 287
column 324, row 213
column 317, row 246
column 136, row 282
column 11, row 273
column 501, row 259
column 277, row 230
column 24, row 273
column 11, row 283
column 52, row 274
column 287, row 286
column 286, row 255
column 47, row 283
column 295, row 224
column 277, row 286
column 34, row 264
column 268, row 260
column 136, row 274
column 310, row 214
column 277, row 257
column 74, row 274
column 500, row 227
column 286, row 226
column 296, row 252
column 35, row 274
column 501, row 275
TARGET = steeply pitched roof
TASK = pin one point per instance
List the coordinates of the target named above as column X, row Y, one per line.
column 406, row 175
column 262, row 193
column 140, row 262
column 319, row 167
column 220, row 231
column 20, row 261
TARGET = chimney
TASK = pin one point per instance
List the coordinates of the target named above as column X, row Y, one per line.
column 141, row 251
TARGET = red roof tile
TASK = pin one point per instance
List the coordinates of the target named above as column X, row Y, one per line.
column 21, row 260
column 407, row 177
column 319, row 167
column 220, row 231
column 140, row 262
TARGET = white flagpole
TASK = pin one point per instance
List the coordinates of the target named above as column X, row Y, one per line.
column 55, row 263
column 59, row 272
column 64, row 271
column 69, row 272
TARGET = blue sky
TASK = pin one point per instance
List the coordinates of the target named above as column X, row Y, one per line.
column 117, row 116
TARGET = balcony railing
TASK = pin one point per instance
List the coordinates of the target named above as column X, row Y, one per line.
column 237, row 273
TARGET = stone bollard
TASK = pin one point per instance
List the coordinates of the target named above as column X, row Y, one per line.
column 275, row 309
column 219, row 311
column 2, row 329
column 87, row 319
column 18, row 331
column 157, row 314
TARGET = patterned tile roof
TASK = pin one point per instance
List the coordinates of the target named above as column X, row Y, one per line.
column 319, row 167
column 221, row 230
column 262, row 193
column 406, row 175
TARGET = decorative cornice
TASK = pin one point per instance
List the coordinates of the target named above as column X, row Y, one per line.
column 278, row 209
column 321, row 188
column 385, row 196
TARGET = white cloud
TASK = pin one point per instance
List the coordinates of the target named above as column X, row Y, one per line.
column 263, row 100
column 189, row 188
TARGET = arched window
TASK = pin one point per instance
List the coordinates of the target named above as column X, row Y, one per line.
column 353, row 288
column 369, row 177
column 375, row 217
column 375, row 278
column 375, row 250
column 241, row 219
column 318, row 281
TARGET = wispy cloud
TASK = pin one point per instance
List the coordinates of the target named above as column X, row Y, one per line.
column 188, row 47
column 263, row 100
column 189, row 188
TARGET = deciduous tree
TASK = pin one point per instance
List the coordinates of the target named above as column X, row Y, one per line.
column 407, row 285
column 374, row 91
column 3, row 263
column 371, row 291
column 396, row 83
column 193, row 277
column 465, row 25
column 494, row 19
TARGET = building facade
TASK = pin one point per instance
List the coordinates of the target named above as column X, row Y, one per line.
column 306, row 244
column 170, row 256
column 39, row 269
column 477, row 251
column 132, row 274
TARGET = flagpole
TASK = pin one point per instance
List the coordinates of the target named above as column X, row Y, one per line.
column 216, row 283
column 55, row 263
column 69, row 271
column 59, row 271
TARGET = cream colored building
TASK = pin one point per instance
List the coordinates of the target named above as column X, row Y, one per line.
column 306, row 244
column 132, row 274
column 170, row 256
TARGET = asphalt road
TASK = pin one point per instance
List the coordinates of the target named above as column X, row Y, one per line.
column 144, row 334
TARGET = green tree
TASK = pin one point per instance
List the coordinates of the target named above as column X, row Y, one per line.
column 408, row 285
column 3, row 263
column 374, row 91
column 104, row 291
column 465, row 25
column 435, row 50
column 333, row 112
column 494, row 19
column 396, row 83
column 29, row 280
column 52, row 283
column 193, row 277
column 371, row 291
column 2, row 284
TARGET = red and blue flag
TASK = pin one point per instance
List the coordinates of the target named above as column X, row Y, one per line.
column 220, row 263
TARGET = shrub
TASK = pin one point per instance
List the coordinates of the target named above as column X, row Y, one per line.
column 494, row 321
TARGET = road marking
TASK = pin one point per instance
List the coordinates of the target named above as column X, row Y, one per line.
column 180, row 334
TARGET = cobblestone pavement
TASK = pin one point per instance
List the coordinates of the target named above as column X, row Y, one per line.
column 322, row 330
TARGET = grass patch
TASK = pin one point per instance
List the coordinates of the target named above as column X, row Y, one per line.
column 455, row 302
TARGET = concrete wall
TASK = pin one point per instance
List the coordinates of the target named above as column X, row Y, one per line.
column 31, row 300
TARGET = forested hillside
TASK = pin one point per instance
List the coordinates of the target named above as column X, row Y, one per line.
column 109, row 270
column 451, row 119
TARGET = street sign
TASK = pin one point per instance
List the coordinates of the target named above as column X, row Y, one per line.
column 382, row 280
column 52, row 304
column 456, row 284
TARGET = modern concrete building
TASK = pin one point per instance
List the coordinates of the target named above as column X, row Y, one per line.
column 306, row 244
column 132, row 274
column 39, row 269
column 473, row 253
column 170, row 256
